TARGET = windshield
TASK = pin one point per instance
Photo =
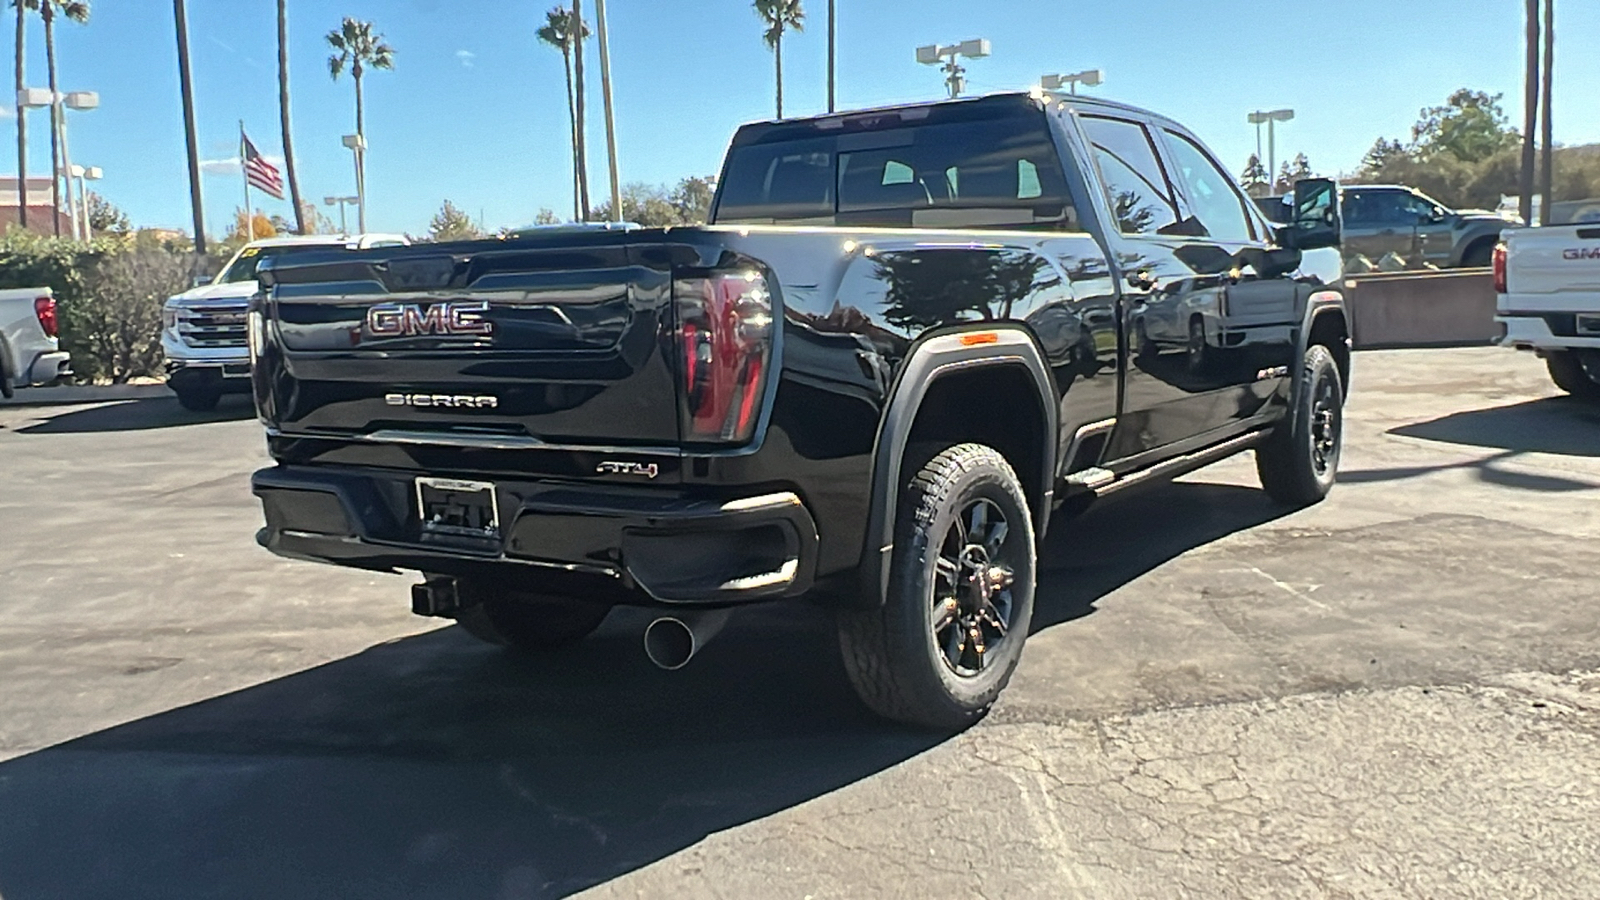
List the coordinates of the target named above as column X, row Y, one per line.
column 995, row 173
column 243, row 267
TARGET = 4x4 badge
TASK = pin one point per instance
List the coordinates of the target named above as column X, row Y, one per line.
column 610, row 467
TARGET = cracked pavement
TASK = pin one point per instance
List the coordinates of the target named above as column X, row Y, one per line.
column 1393, row 694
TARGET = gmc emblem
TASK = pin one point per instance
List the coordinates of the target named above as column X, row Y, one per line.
column 414, row 319
column 1581, row 253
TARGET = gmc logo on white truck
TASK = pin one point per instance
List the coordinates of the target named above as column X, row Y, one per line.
column 1581, row 253
column 414, row 319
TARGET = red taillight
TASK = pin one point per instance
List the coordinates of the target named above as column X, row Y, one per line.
column 725, row 337
column 45, row 309
column 1500, row 268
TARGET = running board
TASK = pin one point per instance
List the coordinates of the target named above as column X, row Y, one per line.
column 1180, row 465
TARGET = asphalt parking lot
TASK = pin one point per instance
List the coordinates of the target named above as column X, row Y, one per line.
column 1396, row 693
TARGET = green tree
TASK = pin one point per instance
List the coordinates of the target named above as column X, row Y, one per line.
column 561, row 31
column 75, row 11
column 1254, row 178
column 1470, row 126
column 779, row 16
column 356, row 45
column 692, row 199
column 546, row 216
column 451, row 224
column 1383, row 154
column 105, row 217
column 643, row 204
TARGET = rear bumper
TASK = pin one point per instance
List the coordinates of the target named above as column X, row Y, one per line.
column 1534, row 332
column 47, row 368
column 624, row 545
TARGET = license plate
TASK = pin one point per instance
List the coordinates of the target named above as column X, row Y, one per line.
column 460, row 508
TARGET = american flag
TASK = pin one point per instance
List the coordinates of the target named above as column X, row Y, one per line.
column 262, row 175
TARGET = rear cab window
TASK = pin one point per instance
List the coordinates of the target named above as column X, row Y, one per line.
column 978, row 167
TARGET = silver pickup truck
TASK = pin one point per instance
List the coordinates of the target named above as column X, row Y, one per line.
column 203, row 330
column 1548, row 280
column 30, row 346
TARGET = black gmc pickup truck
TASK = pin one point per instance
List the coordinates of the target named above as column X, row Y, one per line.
column 907, row 336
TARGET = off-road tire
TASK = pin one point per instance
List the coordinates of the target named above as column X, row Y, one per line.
column 198, row 399
column 1567, row 371
column 1289, row 464
column 890, row 653
column 523, row 621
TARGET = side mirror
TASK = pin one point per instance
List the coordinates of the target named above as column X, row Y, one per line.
column 1316, row 222
column 199, row 281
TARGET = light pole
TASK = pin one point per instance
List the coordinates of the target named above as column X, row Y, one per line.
column 1270, row 118
column 358, row 148
column 91, row 173
column 1087, row 78
column 33, row 98
column 341, row 202
column 605, row 93
column 955, row 74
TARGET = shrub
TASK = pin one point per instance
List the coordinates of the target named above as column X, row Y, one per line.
column 108, row 292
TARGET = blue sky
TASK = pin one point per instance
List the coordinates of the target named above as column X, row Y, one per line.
column 476, row 108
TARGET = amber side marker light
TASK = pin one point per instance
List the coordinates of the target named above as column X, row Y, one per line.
column 980, row 337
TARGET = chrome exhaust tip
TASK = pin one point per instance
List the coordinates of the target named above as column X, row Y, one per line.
column 671, row 641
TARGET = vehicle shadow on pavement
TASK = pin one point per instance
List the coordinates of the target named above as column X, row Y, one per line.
column 140, row 415
column 1559, row 425
column 1553, row 425
column 1087, row 557
column 434, row 766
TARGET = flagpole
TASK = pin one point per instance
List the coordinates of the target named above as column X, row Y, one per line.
column 249, row 220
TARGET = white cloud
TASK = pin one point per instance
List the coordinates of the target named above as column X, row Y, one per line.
column 466, row 57
column 231, row 165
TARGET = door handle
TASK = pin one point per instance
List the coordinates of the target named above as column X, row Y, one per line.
column 1142, row 280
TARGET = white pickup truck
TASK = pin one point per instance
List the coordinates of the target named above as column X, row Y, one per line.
column 30, row 347
column 203, row 330
column 1548, row 280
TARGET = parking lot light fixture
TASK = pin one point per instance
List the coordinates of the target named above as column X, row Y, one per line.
column 1270, row 118
column 342, row 203
column 1087, row 78
column 955, row 73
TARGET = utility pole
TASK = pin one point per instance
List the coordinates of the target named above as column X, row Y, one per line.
column 611, row 125
column 1530, row 114
column 185, row 84
column 1547, row 128
column 833, row 35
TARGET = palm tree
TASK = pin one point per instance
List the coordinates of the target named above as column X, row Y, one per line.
column 76, row 11
column 283, row 115
column 359, row 48
column 558, row 32
column 22, row 120
column 779, row 16
column 578, row 130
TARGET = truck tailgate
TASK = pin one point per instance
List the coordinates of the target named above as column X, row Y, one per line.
column 517, row 345
column 1554, row 262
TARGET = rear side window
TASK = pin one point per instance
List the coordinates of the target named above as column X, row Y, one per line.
column 1135, row 184
column 993, row 173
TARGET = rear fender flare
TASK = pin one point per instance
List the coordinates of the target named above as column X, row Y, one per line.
column 930, row 359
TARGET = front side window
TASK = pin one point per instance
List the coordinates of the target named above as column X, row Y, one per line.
column 1216, row 203
column 1135, row 184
